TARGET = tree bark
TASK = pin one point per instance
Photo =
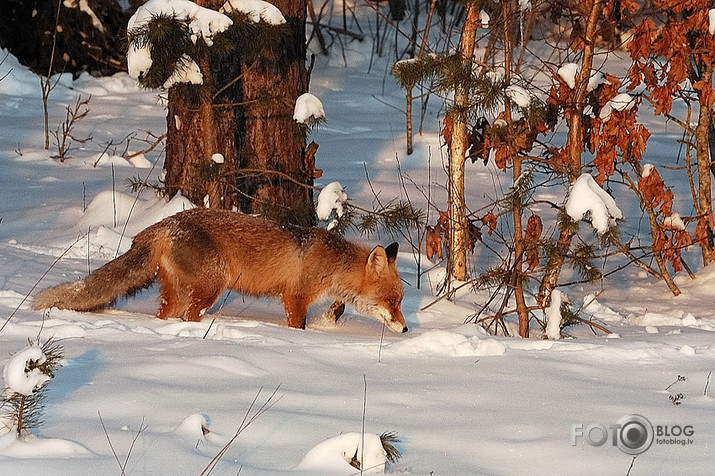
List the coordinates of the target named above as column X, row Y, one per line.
column 702, row 150
column 244, row 111
column 273, row 141
column 458, row 147
column 575, row 148
column 518, row 278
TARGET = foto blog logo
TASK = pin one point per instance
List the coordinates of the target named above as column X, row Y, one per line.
column 632, row 434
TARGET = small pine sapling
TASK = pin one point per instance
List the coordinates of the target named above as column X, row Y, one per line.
column 25, row 376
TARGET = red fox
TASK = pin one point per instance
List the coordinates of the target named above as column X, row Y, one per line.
column 197, row 254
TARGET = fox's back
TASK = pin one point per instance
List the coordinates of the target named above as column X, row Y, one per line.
column 260, row 256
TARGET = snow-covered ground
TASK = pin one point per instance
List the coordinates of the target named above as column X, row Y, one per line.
column 136, row 391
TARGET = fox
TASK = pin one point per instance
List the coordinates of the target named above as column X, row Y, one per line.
column 197, row 254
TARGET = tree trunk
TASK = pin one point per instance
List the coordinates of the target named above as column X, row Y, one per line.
column 196, row 130
column 702, row 149
column 518, row 278
column 245, row 113
column 458, row 147
column 273, row 141
column 575, row 149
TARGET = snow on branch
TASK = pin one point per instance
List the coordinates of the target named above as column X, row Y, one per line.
column 308, row 110
column 22, row 373
column 586, row 199
column 256, row 10
column 332, row 197
column 203, row 23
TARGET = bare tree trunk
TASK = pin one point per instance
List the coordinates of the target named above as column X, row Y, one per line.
column 574, row 144
column 409, row 127
column 518, row 279
column 458, row 147
column 702, row 149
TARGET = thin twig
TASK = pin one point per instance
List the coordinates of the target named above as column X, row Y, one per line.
column 245, row 423
column 111, row 446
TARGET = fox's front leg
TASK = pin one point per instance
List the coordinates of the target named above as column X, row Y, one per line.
column 296, row 311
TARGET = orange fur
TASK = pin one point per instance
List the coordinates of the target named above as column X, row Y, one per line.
column 195, row 255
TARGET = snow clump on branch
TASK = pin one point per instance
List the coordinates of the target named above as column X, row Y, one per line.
column 308, row 110
column 256, row 10
column 21, row 373
column 203, row 22
column 332, row 197
column 586, row 197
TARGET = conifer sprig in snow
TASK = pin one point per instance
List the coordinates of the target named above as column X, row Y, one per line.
column 24, row 411
column 389, row 439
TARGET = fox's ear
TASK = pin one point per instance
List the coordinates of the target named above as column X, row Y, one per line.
column 377, row 262
column 391, row 252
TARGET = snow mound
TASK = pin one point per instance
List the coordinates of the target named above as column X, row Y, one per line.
column 109, row 212
column 196, row 428
column 440, row 342
column 31, row 446
column 334, row 455
column 17, row 80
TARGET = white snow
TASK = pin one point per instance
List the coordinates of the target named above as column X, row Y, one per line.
column 333, row 456
column 597, row 78
column 462, row 401
column 20, row 374
column 519, row 95
column 647, row 169
column 587, row 199
column 218, row 158
column 331, row 197
column 256, row 10
column 622, row 102
column 553, row 315
column 308, row 108
column 568, row 73
column 203, row 22
column 187, row 71
column 484, row 19
column 674, row 221
column 711, row 21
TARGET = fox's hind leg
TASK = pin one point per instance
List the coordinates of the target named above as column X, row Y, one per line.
column 202, row 297
column 336, row 310
column 172, row 305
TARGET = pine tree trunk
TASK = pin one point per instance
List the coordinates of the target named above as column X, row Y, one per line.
column 458, row 147
column 575, row 148
column 273, row 141
column 196, row 130
column 245, row 113
column 518, row 277
column 704, row 206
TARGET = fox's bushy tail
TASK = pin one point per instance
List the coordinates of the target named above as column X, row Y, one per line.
column 120, row 277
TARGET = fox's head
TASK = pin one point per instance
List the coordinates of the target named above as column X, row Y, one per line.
column 381, row 295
